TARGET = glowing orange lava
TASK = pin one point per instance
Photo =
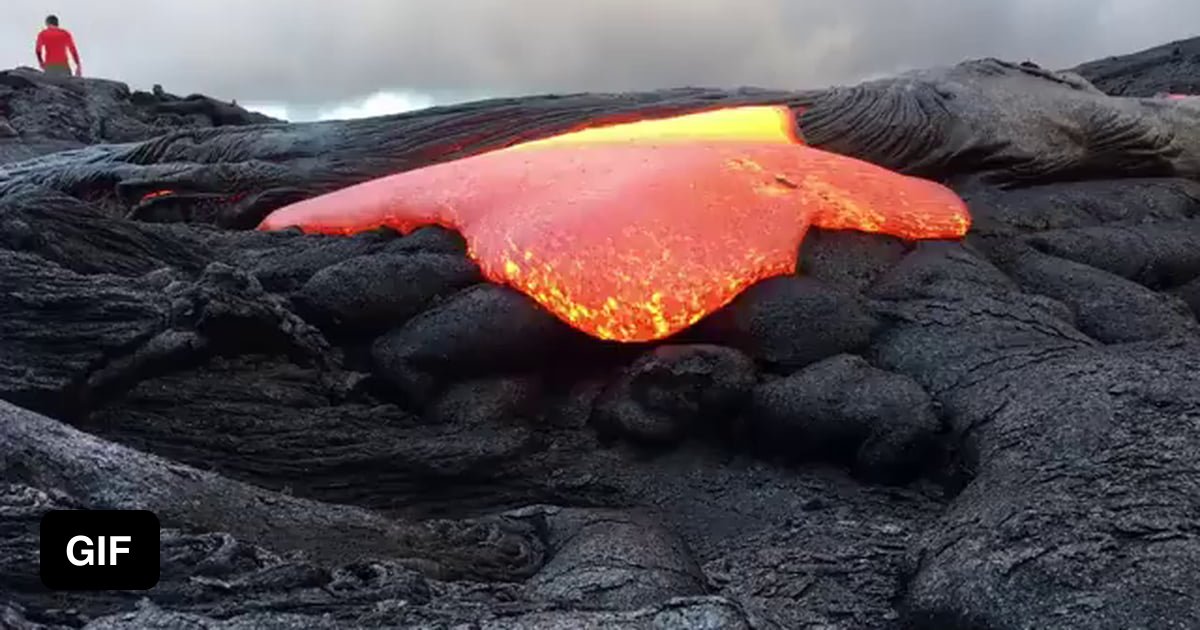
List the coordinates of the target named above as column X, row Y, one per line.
column 744, row 124
column 156, row 194
column 635, row 233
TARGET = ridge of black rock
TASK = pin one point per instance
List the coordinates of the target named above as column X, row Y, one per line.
column 1172, row 68
column 42, row 114
column 1002, row 432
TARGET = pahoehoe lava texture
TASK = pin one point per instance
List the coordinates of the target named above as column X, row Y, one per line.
column 1167, row 69
column 1002, row 432
column 42, row 114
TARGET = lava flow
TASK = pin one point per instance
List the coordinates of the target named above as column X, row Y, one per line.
column 636, row 231
column 746, row 124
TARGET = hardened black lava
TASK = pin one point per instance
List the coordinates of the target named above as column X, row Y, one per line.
column 1002, row 432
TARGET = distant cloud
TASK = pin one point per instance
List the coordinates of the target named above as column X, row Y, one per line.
column 379, row 104
column 315, row 54
column 278, row 112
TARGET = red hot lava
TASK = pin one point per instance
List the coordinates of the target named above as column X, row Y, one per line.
column 636, row 231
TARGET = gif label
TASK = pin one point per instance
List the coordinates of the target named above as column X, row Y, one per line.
column 99, row 550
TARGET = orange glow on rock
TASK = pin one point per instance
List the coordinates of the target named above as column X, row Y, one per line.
column 634, row 238
column 157, row 193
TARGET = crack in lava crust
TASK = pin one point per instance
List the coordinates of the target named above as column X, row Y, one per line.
column 640, row 230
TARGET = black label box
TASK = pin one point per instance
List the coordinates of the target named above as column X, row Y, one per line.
column 99, row 550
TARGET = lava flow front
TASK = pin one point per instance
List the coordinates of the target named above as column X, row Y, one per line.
column 634, row 232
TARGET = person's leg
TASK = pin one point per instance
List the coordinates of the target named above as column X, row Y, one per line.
column 58, row 70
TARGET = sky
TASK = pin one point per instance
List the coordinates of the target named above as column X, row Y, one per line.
column 321, row 59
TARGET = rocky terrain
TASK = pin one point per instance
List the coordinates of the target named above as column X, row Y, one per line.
column 1169, row 68
column 41, row 114
column 999, row 433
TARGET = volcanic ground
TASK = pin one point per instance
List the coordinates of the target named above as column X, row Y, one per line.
column 1000, row 431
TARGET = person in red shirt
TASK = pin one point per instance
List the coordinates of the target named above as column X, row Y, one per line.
column 53, row 44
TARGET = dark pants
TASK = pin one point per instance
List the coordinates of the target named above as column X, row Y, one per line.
column 58, row 71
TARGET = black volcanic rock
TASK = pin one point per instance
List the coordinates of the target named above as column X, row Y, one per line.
column 1107, row 307
column 1172, row 68
column 790, row 322
column 1159, row 255
column 487, row 402
column 75, row 235
column 1013, row 124
column 356, row 432
column 87, row 319
column 41, row 114
column 845, row 411
column 285, row 261
column 479, row 331
column 374, row 450
column 586, row 545
column 848, row 260
column 675, row 390
column 1190, row 294
column 1056, row 431
column 976, row 118
column 374, row 293
column 1124, row 204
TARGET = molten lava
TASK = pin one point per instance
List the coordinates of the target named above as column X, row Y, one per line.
column 636, row 231
column 746, row 124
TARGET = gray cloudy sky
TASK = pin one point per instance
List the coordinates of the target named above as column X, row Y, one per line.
column 314, row 55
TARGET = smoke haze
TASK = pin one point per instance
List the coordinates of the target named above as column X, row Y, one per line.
column 314, row 55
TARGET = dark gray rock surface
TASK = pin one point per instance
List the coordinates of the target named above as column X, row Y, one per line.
column 999, row 433
column 1172, row 68
column 844, row 411
column 790, row 322
column 42, row 114
column 674, row 391
column 371, row 294
column 1079, row 454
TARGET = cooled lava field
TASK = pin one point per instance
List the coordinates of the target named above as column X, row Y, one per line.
column 389, row 426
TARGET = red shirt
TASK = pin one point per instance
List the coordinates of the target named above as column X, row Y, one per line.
column 55, row 42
